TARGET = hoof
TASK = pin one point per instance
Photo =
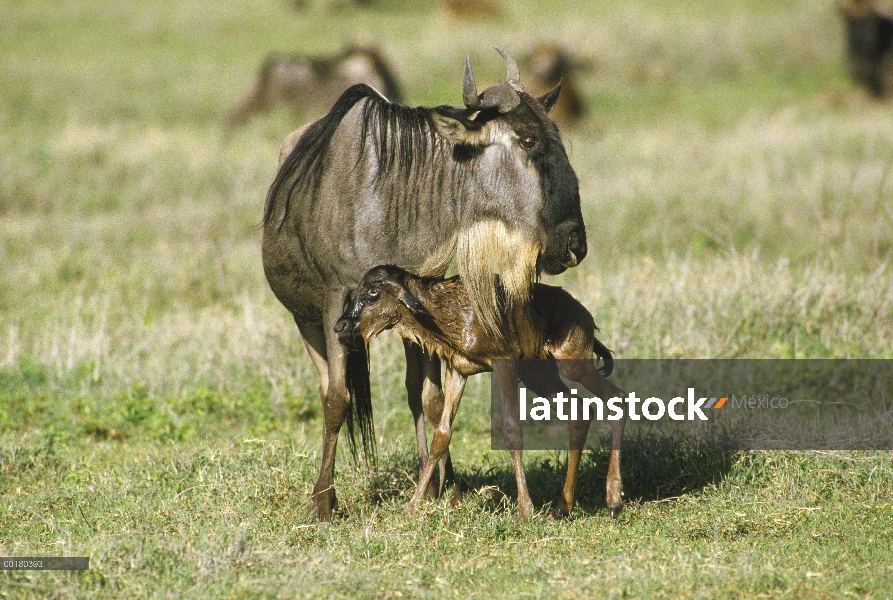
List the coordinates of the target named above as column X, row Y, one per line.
column 456, row 497
column 614, row 511
column 323, row 506
column 525, row 510
column 412, row 509
column 561, row 509
column 432, row 492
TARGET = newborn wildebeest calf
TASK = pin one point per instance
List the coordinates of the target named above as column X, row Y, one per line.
column 437, row 315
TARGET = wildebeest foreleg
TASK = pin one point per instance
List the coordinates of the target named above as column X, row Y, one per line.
column 335, row 404
column 454, row 386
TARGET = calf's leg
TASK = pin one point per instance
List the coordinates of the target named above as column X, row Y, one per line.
column 415, row 376
column 432, row 402
column 506, row 372
column 586, row 373
column 454, row 385
column 543, row 377
column 425, row 396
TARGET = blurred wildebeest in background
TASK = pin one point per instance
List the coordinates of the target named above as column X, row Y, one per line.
column 469, row 10
column 552, row 64
column 309, row 84
column 375, row 182
column 457, row 9
column 869, row 46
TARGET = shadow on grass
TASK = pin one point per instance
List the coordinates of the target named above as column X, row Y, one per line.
column 648, row 475
column 394, row 477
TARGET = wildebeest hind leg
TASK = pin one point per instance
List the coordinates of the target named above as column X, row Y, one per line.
column 315, row 342
column 585, row 372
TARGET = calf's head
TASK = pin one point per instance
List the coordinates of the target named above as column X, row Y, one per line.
column 376, row 306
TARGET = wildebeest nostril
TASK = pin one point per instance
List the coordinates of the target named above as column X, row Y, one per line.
column 576, row 245
column 341, row 325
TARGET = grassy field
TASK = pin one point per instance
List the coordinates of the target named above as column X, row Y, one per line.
column 159, row 414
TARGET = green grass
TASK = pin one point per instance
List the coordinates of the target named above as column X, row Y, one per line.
column 159, row 414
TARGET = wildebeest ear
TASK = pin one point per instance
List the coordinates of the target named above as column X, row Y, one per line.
column 453, row 124
column 549, row 99
column 412, row 303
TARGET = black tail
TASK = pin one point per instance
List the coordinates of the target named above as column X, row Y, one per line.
column 607, row 360
column 360, row 410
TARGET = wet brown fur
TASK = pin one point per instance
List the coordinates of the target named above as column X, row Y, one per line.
column 552, row 325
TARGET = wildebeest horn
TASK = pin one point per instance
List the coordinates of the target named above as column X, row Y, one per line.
column 469, row 89
column 513, row 77
column 503, row 96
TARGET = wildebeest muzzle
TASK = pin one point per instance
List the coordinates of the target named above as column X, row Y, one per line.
column 348, row 325
column 565, row 248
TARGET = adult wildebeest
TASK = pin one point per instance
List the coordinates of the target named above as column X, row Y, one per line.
column 435, row 314
column 314, row 83
column 869, row 46
column 374, row 182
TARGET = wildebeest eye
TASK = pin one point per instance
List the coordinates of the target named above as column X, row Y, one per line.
column 527, row 142
column 373, row 293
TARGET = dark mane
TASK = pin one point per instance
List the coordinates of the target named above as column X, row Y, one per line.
column 402, row 136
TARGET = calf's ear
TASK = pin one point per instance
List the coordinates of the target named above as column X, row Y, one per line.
column 453, row 124
column 413, row 303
